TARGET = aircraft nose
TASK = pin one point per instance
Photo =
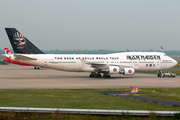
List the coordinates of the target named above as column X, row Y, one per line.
column 174, row 62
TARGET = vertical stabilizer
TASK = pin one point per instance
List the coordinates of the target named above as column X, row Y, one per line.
column 7, row 52
column 21, row 44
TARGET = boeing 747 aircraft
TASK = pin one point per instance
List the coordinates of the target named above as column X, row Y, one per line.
column 125, row 63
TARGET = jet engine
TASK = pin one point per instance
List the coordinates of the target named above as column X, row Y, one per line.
column 129, row 71
column 114, row 70
column 119, row 70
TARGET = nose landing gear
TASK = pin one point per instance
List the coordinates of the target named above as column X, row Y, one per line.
column 36, row 67
column 159, row 73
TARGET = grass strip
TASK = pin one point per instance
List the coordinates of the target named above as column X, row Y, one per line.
column 77, row 99
column 162, row 93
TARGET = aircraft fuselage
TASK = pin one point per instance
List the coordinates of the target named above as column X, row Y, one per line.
column 140, row 61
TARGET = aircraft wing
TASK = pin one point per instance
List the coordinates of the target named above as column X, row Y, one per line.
column 102, row 65
column 95, row 65
column 23, row 57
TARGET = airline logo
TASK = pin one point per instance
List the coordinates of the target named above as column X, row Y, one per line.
column 115, row 70
column 130, row 71
column 18, row 38
column 143, row 57
column 7, row 51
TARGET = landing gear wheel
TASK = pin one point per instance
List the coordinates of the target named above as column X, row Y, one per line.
column 34, row 67
column 106, row 76
column 93, row 75
column 98, row 75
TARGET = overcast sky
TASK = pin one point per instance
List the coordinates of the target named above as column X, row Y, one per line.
column 93, row 24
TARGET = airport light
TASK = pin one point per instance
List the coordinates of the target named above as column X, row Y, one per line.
column 161, row 48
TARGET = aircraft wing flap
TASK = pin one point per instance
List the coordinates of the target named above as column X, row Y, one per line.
column 99, row 66
column 22, row 57
column 95, row 65
column 84, row 61
column 102, row 65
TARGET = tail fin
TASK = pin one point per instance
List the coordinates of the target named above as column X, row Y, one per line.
column 21, row 44
column 7, row 53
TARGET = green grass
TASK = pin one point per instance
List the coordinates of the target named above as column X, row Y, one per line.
column 163, row 93
column 77, row 99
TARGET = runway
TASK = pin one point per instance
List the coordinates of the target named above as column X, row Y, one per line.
column 25, row 77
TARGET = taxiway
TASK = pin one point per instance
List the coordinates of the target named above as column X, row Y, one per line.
column 25, row 77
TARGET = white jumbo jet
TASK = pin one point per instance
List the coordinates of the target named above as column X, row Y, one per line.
column 125, row 63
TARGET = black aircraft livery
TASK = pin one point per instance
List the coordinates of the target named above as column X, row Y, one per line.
column 21, row 44
column 143, row 57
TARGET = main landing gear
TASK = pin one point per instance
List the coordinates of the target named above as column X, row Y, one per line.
column 94, row 75
column 98, row 75
column 36, row 67
column 106, row 76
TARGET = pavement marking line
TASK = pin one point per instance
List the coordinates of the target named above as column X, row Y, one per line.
column 163, row 81
column 123, row 94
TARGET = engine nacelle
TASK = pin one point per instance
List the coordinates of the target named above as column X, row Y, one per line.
column 114, row 70
column 118, row 70
column 129, row 71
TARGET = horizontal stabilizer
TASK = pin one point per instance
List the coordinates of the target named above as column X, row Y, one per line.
column 23, row 57
column 6, row 55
